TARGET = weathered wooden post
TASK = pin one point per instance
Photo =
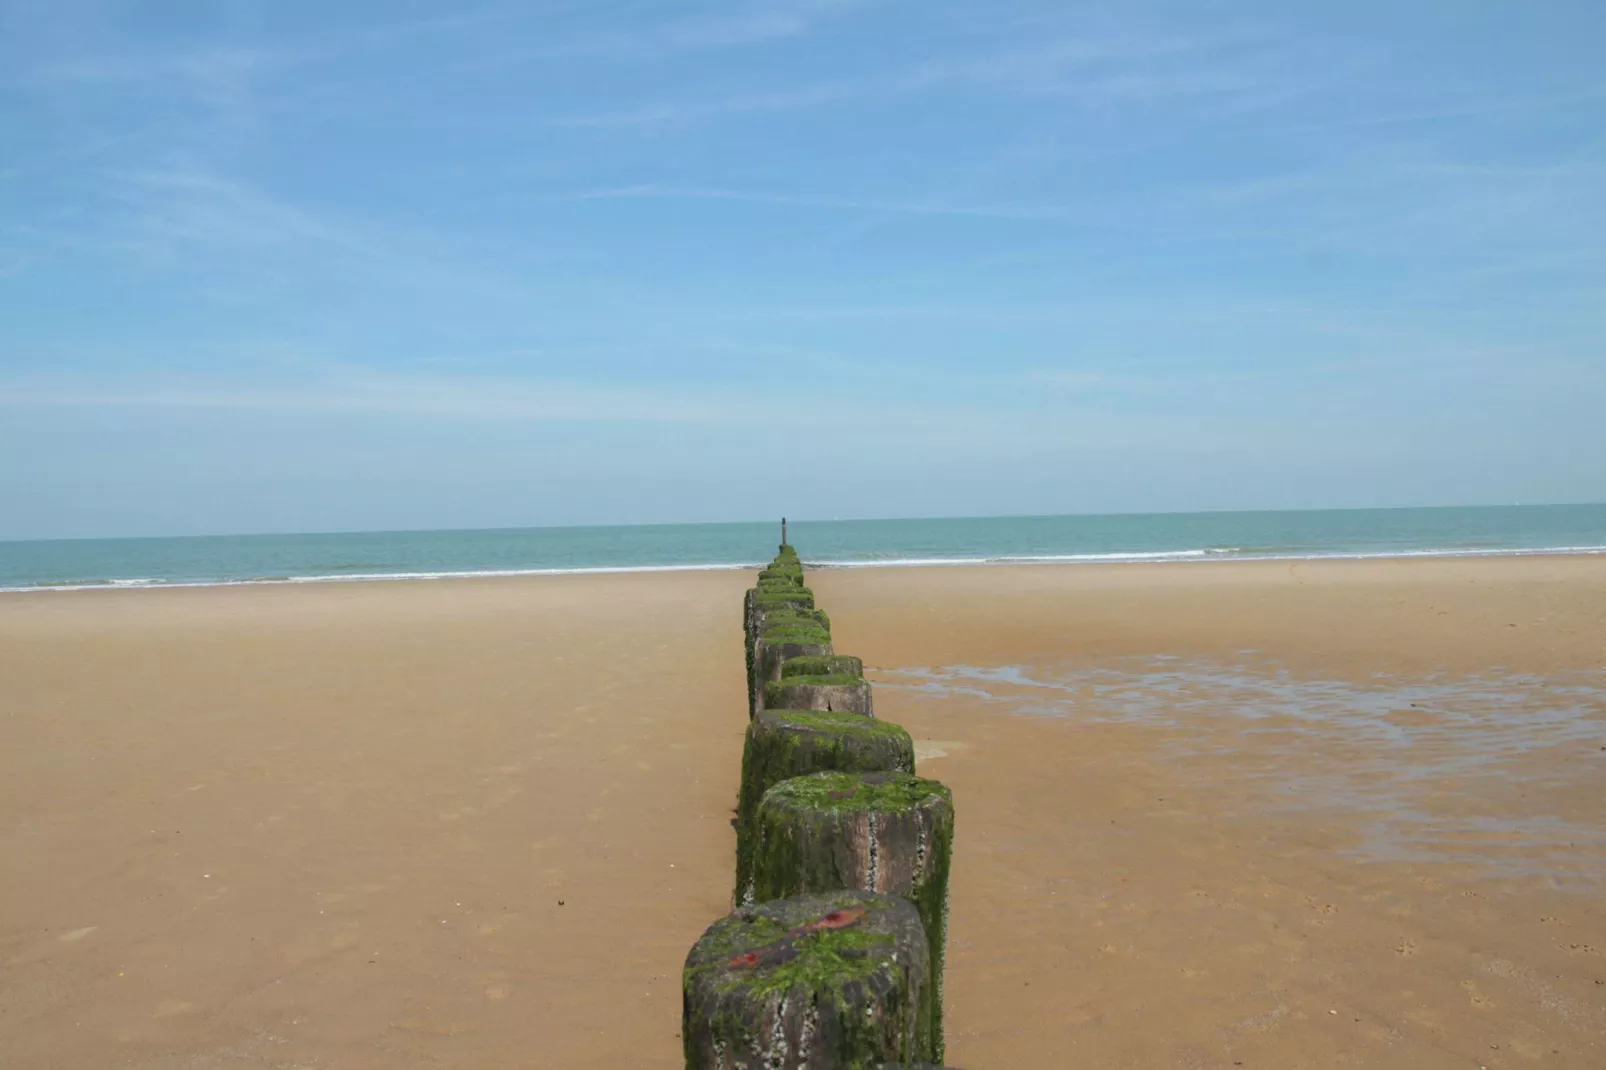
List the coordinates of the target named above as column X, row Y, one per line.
column 782, row 744
column 780, row 599
column 881, row 832
column 834, row 683
column 761, row 601
column 782, row 634
column 821, row 982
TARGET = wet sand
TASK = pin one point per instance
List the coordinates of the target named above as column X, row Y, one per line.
column 1256, row 814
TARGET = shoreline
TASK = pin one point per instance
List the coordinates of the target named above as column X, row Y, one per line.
column 1173, row 557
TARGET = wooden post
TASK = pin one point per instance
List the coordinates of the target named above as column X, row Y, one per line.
column 837, row 694
column 780, row 635
column 879, row 832
column 812, row 983
column 834, row 682
column 782, row 744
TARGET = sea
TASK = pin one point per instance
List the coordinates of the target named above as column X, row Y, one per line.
column 75, row 564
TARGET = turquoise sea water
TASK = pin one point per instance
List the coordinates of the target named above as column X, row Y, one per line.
column 1202, row 537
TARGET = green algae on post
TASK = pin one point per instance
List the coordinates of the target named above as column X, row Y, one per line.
column 782, row 744
column 845, row 694
column 777, row 635
column 789, row 614
column 831, row 665
column 799, row 597
column 776, row 638
column 759, row 605
column 882, row 832
column 785, row 618
column 773, row 649
column 821, row 981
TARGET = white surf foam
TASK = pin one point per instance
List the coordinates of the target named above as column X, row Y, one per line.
column 1195, row 555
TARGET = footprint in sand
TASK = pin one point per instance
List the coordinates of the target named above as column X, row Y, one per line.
column 1325, row 910
column 1405, row 947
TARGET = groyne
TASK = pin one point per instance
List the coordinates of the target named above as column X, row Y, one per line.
column 833, row 955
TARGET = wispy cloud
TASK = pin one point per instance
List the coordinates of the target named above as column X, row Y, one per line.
column 1071, row 380
column 216, row 70
column 740, row 28
column 751, row 23
column 1082, row 69
column 1482, row 108
column 1019, row 213
column 321, row 387
column 199, row 208
column 449, row 396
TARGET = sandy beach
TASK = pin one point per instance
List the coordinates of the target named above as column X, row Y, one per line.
column 1259, row 814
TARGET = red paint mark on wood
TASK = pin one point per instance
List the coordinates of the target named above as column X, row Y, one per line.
column 840, row 919
column 785, row 949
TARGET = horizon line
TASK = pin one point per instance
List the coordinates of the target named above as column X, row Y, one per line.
column 800, row 520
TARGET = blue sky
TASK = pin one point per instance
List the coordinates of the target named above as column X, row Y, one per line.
column 294, row 266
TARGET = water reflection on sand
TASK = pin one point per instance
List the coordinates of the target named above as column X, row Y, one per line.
column 1501, row 770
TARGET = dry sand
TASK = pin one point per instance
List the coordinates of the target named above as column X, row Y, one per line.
column 1259, row 814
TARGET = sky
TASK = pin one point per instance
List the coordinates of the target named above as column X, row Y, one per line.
column 292, row 266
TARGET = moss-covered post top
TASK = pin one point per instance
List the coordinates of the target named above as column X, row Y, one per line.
column 764, row 598
column 782, row 744
column 887, row 792
column 841, row 694
column 826, row 939
column 823, row 665
column 837, row 725
column 834, row 980
column 785, row 610
column 776, row 644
